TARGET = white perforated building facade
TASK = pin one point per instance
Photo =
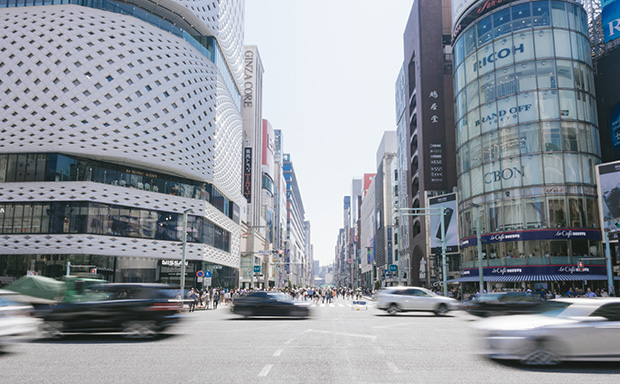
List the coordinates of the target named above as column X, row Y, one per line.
column 128, row 115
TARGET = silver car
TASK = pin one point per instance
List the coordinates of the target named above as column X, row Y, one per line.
column 16, row 321
column 406, row 299
column 578, row 329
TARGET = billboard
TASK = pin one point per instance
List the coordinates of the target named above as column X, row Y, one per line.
column 611, row 19
column 614, row 123
column 608, row 179
column 268, row 150
column 247, row 173
column 450, row 222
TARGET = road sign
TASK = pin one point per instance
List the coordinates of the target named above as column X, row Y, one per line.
column 393, row 268
column 200, row 273
column 257, row 269
column 207, row 273
column 207, row 281
column 264, row 252
column 199, row 279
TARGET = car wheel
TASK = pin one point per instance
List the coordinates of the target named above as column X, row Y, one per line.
column 542, row 352
column 245, row 312
column 51, row 329
column 139, row 329
column 441, row 310
column 393, row 309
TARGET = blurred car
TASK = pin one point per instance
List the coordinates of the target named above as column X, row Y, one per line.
column 269, row 304
column 138, row 310
column 407, row 299
column 581, row 329
column 505, row 303
column 16, row 320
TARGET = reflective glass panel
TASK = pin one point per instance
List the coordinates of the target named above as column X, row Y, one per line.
column 543, row 39
column 523, row 49
column 562, row 43
column 532, row 170
column 554, row 169
column 528, row 138
column 521, row 16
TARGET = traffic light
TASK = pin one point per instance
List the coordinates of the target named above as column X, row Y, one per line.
column 580, row 266
column 93, row 270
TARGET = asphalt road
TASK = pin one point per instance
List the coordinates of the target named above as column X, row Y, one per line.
column 336, row 345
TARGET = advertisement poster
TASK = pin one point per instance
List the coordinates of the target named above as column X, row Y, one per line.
column 608, row 177
column 614, row 119
column 450, row 222
column 611, row 19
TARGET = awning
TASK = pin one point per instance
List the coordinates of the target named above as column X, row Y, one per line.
column 556, row 277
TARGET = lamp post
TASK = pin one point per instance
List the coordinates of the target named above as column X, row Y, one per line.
column 184, row 237
column 479, row 246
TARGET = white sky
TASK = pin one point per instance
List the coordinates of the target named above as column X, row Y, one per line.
column 330, row 69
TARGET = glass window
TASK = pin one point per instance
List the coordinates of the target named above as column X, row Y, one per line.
column 512, row 173
column 548, row 104
column 486, row 59
column 528, row 107
column 595, row 141
column 458, row 53
column 506, row 82
column 532, row 170
column 570, row 131
column 552, row 136
column 525, row 74
column 565, row 74
column 477, row 185
column 588, row 163
column 471, row 68
column 465, row 188
column 469, row 38
column 507, row 111
column 540, row 13
column 475, row 152
column 484, row 31
column 460, row 105
column 574, row 43
column 487, row 88
column 558, row 12
column 496, row 217
column 523, row 49
column 584, row 138
column 572, row 168
column 472, row 96
column 568, row 109
column 557, row 217
column 459, row 78
column 488, row 117
column 573, row 16
column 535, row 212
column 509, row 142
column 474, row 122
column 592, row 111
column 492, row 177
column 562, row 43
column 513, row 215
column 544, row 43
column 521, row 17
column 592, row 213
column 490, row 147
column 501, row 23
column 581, row 103
column 546, row 74
column 553, row 168
column 528, row 138
column 3, row 166
column 576, row 212
column 18, row 213
column 20, row 173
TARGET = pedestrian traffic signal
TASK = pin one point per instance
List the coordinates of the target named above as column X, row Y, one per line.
column 580, row 266
column 93, row 270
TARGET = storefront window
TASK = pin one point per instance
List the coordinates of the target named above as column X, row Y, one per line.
column 548, row 104
column 464, row 186
column 568, row 109
column 513, row 213
column 592, row 213
column 557, row 216
column 569, row 135
column 496, row 217
column 535, row 212
column 528, row 138
column 577, row 212
column 552, row 136
column 572, row 167
column 588, row 163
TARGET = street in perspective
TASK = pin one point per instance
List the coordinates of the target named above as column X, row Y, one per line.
column 288, row 191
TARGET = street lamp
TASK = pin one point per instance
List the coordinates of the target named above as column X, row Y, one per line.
column 183, row 251
column 479, row 246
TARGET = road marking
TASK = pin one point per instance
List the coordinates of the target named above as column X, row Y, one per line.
column 322, row 305
column 379, row 350
column 340, row 305
column 278, row 352
column 373, row 338
column 393, row 325
column 393, row 367
column 266, row 370
column 332, row 305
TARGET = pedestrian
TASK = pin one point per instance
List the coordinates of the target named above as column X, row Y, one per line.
column 216, row 299
column 193, row 297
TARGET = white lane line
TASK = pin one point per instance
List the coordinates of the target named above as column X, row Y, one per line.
column 392, row 326
column 393, row 367
column 265, row 370
column 373, row 338
column 278, row 352
column 322, row 305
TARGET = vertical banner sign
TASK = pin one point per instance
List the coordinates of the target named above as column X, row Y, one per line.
column 436, row 161
column 611, row 19
column 389, row 245
column 449, row 202
column 609, row 195
column 614, row 118
column 247, row 174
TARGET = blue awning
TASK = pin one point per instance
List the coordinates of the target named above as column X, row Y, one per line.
column 556, row 277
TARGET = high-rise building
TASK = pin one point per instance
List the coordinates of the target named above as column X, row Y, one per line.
column 296, row 258
column 527, row 143
column 367, row 233
column 117, row 118
column 429, row 121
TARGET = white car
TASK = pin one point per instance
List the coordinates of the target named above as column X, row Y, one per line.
column 578, row 329
column 16, row 321
column 406, row 299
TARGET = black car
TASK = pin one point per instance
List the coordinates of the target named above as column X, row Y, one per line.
column 506, row 303
column 269, row 304
column 137, row 310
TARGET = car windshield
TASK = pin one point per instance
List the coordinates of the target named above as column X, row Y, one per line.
column 565, row 310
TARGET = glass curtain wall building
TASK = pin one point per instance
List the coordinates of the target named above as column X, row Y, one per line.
column 527, row 142
column 117, row 118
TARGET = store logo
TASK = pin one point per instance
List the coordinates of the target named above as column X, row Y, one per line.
column 502, row 54
column 503, row 236
column 248, row 85
column 502, row 114
column 504, row 174
column 572, row 269
column 568, row 234
column 503, row 271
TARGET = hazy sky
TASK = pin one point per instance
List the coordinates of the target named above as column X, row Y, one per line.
column 330, row 69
